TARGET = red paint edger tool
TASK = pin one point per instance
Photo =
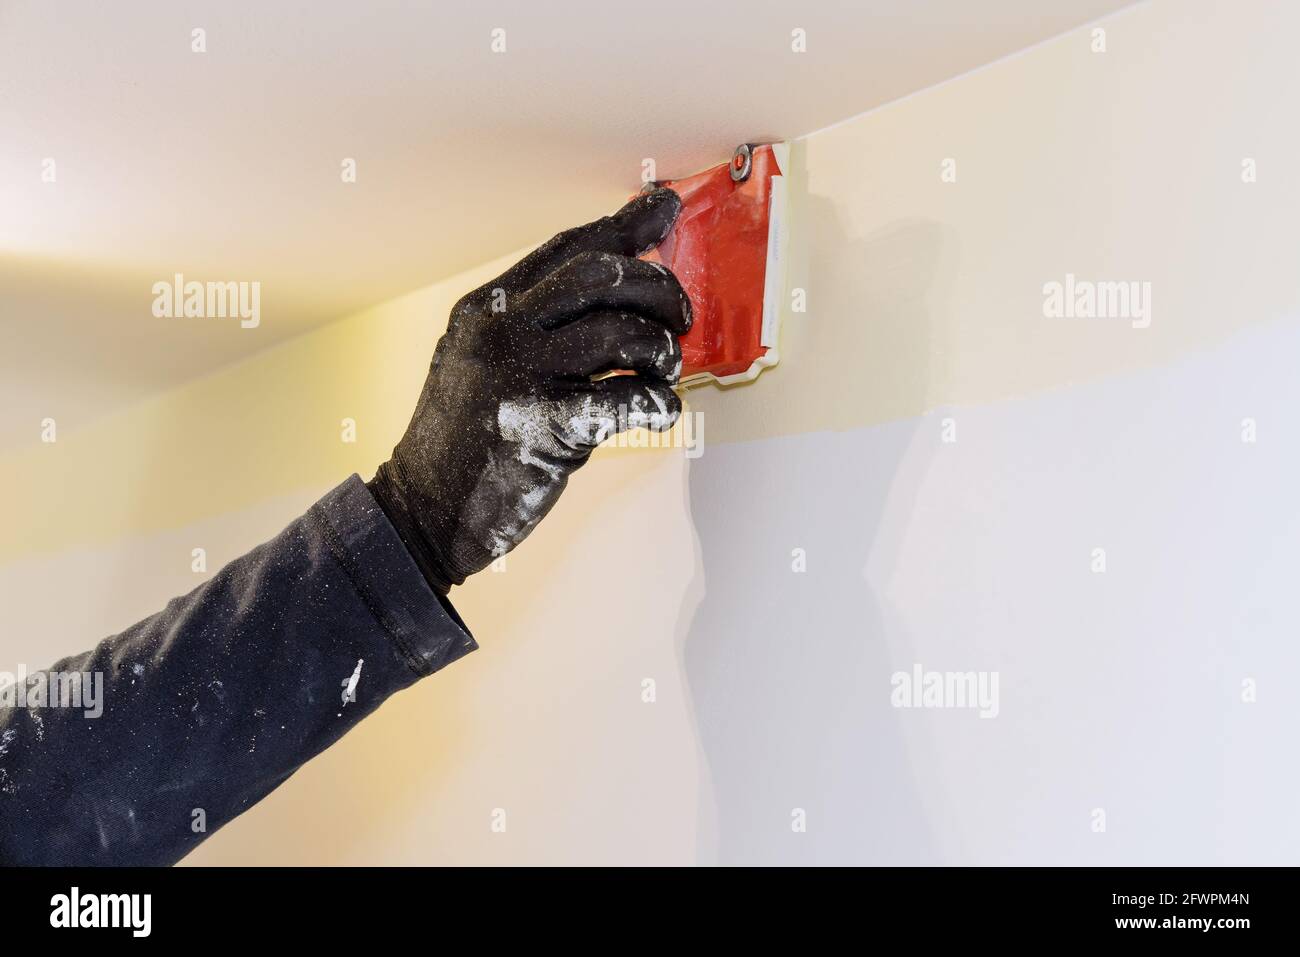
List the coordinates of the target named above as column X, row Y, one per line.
column 727, row 249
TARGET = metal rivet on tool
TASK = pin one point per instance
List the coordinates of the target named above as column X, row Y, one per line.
column 742, row 162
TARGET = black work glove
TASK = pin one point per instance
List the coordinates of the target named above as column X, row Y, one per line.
column 510, row 407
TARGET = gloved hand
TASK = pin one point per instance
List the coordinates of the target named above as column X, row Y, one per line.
column 509, row 409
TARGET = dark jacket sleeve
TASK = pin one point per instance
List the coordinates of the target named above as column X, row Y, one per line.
column 204, row 708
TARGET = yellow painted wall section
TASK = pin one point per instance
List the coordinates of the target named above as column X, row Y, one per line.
column 1124, row 165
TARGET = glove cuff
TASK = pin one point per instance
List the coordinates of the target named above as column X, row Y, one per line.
column 390, row 493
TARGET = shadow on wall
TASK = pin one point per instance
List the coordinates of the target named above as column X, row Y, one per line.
column 788, row 670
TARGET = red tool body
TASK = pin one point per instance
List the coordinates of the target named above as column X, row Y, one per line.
column 727, row 250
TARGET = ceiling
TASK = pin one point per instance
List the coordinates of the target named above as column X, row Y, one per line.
column 225, row 165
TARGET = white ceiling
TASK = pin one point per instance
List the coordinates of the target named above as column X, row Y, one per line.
column 225, row 165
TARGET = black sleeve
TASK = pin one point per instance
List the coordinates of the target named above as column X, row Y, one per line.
column 134, row 752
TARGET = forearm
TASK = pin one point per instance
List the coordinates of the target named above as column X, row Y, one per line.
column 210, row 704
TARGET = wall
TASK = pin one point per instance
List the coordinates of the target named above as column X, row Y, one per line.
column 1119, row 691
